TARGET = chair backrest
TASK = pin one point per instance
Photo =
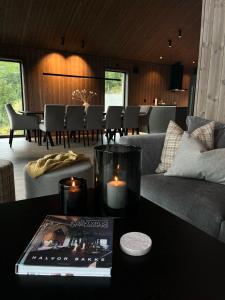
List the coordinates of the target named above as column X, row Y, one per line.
column 94, row 117
column 12, row 115
column 54, row 115
column 113, row 117
column 75, row 117
column 160, row 118
column 144, row 109
column 130, row 119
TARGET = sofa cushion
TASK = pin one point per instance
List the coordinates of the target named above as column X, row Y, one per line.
column 193, row 160
column 198, row 202
column 172, row 141
column 194, row 122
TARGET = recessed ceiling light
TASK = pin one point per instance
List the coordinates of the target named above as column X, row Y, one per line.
column 193, row 61
column 179, row 34
column 160, row 57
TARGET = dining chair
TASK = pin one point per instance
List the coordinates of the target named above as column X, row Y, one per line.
column 94, row 121
column 130, row 119
column 113, row 122
column 75, row 122
column 54, row 115
column 145, row 111
column 20, row 122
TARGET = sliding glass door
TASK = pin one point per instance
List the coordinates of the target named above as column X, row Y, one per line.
column 10, row 92
column 115, row 88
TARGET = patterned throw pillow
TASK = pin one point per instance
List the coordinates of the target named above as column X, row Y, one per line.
column 172, row 141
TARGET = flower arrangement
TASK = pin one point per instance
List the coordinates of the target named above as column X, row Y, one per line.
column 84, row 96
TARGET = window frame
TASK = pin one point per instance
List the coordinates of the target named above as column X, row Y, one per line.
column 125, row 88
column 22, row 82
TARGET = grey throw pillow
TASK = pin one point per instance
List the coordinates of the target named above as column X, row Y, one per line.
column 194, row 161
column 194, row 122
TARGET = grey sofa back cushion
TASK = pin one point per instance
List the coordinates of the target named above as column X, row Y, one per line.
column 219, row 133
column 151, row 145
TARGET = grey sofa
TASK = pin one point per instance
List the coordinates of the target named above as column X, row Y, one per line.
column 198, row 202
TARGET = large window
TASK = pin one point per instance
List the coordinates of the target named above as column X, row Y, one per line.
column 115, row 88
column 10, row 92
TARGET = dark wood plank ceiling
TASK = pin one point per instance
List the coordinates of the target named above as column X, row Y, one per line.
column 133, row 29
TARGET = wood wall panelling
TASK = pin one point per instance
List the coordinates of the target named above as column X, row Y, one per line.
column 152, row 80
column 210, row 92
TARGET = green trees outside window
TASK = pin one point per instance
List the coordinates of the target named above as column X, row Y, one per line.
column 10, row 92
column 114, row 89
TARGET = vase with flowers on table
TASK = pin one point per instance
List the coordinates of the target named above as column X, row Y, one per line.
column 84, row 96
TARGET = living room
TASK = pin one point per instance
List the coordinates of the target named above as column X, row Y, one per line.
column 101, row 54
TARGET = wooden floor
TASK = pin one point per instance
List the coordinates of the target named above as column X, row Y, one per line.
column 22, row 152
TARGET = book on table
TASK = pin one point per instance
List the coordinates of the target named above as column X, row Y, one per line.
column 69, row 246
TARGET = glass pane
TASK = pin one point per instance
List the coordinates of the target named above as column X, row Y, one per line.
column 10, row 92
column 114, row 89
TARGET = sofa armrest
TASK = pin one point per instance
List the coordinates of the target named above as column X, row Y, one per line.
column 151, row 145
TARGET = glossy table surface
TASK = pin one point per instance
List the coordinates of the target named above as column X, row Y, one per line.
column 184, row 262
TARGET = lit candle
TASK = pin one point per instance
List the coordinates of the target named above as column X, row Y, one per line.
column 116, row 193
column 74, row 186
column 72, row 194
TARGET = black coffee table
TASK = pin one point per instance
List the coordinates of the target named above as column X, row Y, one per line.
column 184, row 262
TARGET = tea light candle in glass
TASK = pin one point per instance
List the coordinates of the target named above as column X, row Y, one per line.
column 73, row 195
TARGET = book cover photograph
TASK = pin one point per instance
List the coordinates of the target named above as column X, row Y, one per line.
column 69, row 246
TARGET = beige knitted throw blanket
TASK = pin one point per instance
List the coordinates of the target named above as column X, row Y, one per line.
column 52, row 162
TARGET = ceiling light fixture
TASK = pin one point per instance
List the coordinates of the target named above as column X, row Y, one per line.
column 193, row 61
column 179, row 33
column 170, row 43
column 160, row 57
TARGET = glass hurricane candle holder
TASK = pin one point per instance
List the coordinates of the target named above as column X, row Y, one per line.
column 117, row 178
column 73, row 195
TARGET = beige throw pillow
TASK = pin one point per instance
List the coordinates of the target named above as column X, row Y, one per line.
column 172, row 142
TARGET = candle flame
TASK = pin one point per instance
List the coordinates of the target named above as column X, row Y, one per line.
column 73, row 182
column 116, row 178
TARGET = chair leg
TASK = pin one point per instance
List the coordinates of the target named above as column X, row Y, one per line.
column 114, row 134
column 84, row 138
column 68, row 138
column 64, row 140
column 56, row 138
column 108, row 135
column 11, row 137
column 40, row 138
column 120, row 132
column 148, row 129
column 28, row 136
column 46, row 140
column 35, row 135
column 79, row 136
column 75, row 136
column 88, row 137
column 50, row 138
column 132, row 131
column 137, row 130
